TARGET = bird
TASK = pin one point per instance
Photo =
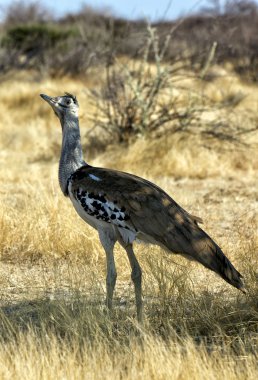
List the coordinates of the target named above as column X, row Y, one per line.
column 123, row 208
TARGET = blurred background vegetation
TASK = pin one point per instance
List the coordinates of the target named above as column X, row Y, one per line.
column 30, row 37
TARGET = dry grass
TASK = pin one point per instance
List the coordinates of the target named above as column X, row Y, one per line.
column 53, row 321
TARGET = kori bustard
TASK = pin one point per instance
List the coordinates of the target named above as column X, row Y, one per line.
column 123, row 207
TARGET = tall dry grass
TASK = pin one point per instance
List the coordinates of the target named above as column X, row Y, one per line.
column 53, row 321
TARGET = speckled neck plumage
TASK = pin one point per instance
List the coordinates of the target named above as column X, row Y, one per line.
column 71, row 154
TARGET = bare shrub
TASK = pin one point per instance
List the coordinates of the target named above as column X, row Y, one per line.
column 138, row 99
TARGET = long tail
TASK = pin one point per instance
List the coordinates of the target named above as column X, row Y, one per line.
column 193, row 243
column 208, row 253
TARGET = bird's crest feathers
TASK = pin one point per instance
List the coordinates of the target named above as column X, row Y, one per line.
column 72, row 96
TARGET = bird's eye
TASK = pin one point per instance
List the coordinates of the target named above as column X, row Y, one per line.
column 68, row 102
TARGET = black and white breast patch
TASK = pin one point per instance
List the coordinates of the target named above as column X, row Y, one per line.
column 100, row 207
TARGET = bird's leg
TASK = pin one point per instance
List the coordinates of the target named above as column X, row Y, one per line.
column 108, row 243
column 111, row 277
column 137, row 280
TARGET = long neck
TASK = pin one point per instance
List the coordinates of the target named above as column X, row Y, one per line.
column 71, row 154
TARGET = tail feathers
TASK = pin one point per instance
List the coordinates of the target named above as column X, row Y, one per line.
column 227, row 271
column 189, row 240
column 213, row 258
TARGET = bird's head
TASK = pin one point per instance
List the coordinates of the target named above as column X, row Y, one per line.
column 65, row 106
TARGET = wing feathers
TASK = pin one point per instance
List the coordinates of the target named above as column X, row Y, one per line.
column 149, row 207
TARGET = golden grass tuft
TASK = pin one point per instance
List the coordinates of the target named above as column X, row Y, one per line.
column 144, row 358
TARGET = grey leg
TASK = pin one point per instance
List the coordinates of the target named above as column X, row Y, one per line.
column 137, row 280
column 108, row 242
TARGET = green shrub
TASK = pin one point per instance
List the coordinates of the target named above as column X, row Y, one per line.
column 27, row 37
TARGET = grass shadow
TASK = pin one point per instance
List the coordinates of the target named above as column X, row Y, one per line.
column 206, row 318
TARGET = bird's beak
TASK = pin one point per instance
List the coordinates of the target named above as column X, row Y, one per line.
column 48, row 99
column 52, row 102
